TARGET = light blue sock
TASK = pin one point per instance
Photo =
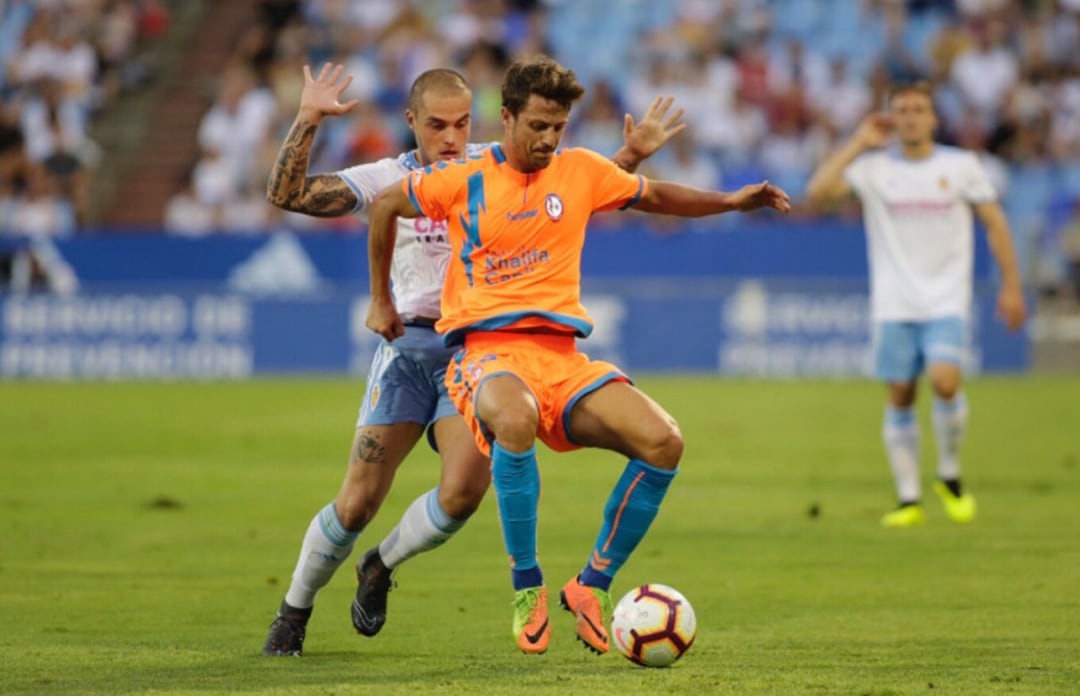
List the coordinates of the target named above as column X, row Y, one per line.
column 517, row 488
column 630, row 510
column 423, row 527
column 950, row 420
column 901, row 435
column 326, row 546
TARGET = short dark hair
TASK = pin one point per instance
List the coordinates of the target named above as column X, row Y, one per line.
column 919, row 87
column 543, row 77
column 442, row 79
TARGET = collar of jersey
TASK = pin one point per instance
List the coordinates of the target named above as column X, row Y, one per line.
column 410, row 161
column 499, row 155
column 896, row 153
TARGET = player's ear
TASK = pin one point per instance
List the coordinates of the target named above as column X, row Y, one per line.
column 410, row 118
column 505, row 115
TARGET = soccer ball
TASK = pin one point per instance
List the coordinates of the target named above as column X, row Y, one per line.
column 653, row 625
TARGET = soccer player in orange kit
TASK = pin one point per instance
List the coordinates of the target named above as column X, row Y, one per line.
column 516, row 216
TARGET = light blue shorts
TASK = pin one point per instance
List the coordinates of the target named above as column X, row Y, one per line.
column 406, row 381
column 903, row 348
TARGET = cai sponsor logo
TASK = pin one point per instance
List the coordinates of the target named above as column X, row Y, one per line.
column 430, row 231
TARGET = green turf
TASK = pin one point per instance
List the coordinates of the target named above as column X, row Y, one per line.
column 147, row 534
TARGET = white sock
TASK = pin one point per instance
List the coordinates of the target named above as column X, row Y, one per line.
column 950, row 424
column 424, row 526
column 901, row 433
column 326, row 546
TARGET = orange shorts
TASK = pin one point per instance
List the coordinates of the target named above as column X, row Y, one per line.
column 549, row 365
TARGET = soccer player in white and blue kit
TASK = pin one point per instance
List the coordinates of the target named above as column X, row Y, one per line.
column 405, row 393
column 917, row 198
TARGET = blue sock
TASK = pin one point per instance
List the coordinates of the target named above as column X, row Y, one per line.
column 630, row 510
column 517, row 489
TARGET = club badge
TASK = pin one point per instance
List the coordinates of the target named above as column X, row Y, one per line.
column 554, row 207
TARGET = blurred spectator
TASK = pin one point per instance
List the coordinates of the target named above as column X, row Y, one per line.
column 61, row 64
column 186, row 215
column 686, row 163
column 42, row 212
column 986, row 72
column 842, row 101
column 483, row 65
column 598, row 126
column 1070, row 247
column 767, row 85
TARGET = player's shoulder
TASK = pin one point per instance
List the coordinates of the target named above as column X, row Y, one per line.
column 458, row 167
column 579, row 154
column 381, row 172
column 477, row 149
column 883, row 155
column 950, row 155
column 581, row 162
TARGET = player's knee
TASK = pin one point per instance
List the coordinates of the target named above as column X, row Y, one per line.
column 354, row 514
column 946, row 388
column 902, row 394
column 666, row 446
column 460, row 499
column 945, row 381
column 514, row 427
column 357, row 505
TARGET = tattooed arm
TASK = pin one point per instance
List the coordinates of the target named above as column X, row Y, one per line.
column 290, row 187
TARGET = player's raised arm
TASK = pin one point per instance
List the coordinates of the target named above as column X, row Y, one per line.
column 1010, row 301
column 643, row 139
column 827, row 184
column 289, row 186
column 686, row 201
column 389, row 204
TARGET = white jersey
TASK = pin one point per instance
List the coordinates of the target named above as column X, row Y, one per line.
column 422, row 250
column 919, row 230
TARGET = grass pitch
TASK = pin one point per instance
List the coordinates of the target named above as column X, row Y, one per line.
column 147, row 534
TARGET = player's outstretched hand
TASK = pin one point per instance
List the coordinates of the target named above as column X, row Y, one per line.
column 654, row 130
column 1010, row 308
column 383, row 319
column 763, row 195
column 874, row 131
column 321, row 95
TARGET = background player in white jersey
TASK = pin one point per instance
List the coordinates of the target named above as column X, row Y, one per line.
column 917, row 198
column 405, row 393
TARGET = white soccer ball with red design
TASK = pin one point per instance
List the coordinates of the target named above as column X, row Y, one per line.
column 653, row 625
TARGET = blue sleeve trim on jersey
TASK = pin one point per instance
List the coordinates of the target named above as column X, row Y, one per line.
column 357, row 191
column 585, row 391
column 637, row 196
column 580, row 327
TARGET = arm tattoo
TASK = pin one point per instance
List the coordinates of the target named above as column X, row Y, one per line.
column 368, row 449
column 290, row 188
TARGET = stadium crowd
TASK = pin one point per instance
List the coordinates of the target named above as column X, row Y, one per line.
column 769, row 86
column 62, row 63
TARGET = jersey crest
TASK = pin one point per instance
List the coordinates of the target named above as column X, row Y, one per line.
column 554, row 207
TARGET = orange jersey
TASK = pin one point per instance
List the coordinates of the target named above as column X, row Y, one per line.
column 516, row 238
